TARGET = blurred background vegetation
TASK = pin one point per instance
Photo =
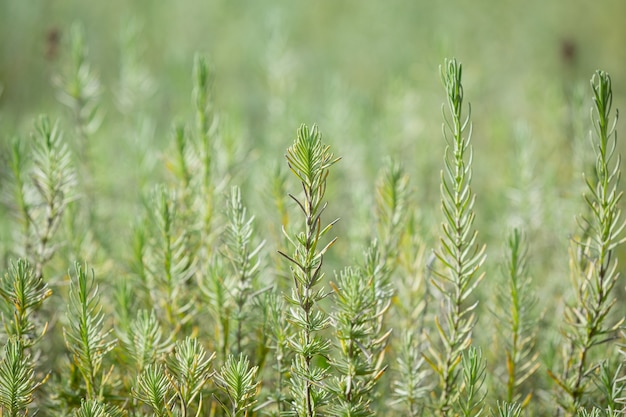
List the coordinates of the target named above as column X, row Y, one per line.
column 365, row 71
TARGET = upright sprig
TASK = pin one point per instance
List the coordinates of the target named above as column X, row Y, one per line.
column 309, row 160
column 17, row 379
column 154, row 389
column 472, row 394
column 188, row 371
column 23, row 291
column 206, row 131
column 238, row 380
column 80, row 90
column 410, row 387
column 514, row 309
column 459, row 255
column 611, row 384
column 359, row 360
column 85, row 335
column 243, row 254
column 278, row 338
column 143, row 340
column 391, row 209
column 175, row 388
column 43, row 190
column 589, row 320
column 168, row 264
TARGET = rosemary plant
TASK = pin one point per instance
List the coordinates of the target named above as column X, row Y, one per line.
column 144, row 341
column 279, row 331
column 610, row 382
column 167, row 263
column 23, row 292
column 154, row 390
column 309, row 159
column 238, row 380
column 42, row 191
column 85, row 336
column 590, row 321
column 391, row 209
column 514, row 311
column 80, row 90
column 243, row 254
column 472, row 395
column 361, row 349
column 92, row 408
column 459, row 254
column 17, row 379
column 410, row 388
column 206, row 130
column 188, row 370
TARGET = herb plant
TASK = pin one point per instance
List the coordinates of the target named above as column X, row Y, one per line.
column 235, row 296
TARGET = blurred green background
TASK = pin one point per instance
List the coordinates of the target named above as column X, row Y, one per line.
column 365, row 71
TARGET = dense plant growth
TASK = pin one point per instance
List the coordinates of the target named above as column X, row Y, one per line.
column 217, row 308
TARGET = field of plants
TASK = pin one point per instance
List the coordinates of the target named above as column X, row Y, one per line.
column 231, row 208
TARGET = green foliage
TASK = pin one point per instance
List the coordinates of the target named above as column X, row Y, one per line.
column 508, row 410
column 595, row 267
column 309, row 159
column 244, row 259
column 144, row 340
column 91, row 408
column 459, row 254
column 85, row 336
column 237, row 380
column 23, row 292
column 167, row 262
column 514, row 311
column 154, row 390
column 472, row 396
column 44, row 184
column 17, row 379
column 80, row 90
column 188, row 370
column 410, row 388
column 359, row 362
column 217, row 313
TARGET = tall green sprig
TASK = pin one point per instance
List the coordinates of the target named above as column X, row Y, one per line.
column 43, row 190
column 80, row 90
column 310, row 160
column 243, row 254
column 279, row 331
column 206, row 131
column 589, row 320
column 514, row 310
column 153, row 389
column 23, row 292
column 391, row 209
column 168, row 264
column 410, row 387
column 459, row 255
column 85, row 334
